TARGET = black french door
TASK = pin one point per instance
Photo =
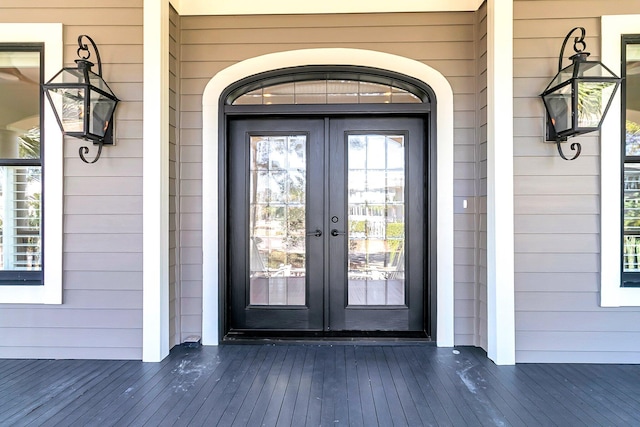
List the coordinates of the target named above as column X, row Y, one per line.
column 326, row 224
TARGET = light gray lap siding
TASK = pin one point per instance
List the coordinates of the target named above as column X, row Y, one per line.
column 557, row 206
column 445, row 41
column 101, row 314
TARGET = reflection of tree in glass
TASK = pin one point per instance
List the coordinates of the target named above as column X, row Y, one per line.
column 632, row 138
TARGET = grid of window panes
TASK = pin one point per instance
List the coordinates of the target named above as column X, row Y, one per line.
column 631, row 161
column 20, row 163
column 277, row 220
column 376, row 200
column 328, row 92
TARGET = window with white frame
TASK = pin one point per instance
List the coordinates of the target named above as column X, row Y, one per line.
column 630, row 112
column 620, row 167
column 21, row 73
column 31, row 166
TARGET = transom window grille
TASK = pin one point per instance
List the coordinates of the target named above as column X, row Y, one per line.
column 20, row 163
column 327, row 91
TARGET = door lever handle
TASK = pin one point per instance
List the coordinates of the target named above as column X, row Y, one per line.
column 335, row 232
column 317, row 233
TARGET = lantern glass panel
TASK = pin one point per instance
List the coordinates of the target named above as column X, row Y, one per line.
column 96, row 81
column 559, row 107
column 593, row 97
column 563, row 76
column 69, row 108
column 101, row 109
column 68, row 75
column 594, row 69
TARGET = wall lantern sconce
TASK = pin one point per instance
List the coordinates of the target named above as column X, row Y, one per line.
column 82, row 101
column 578, row 97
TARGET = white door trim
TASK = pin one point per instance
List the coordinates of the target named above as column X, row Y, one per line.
column 329, row 56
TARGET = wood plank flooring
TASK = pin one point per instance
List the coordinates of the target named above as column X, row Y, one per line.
column 317, row 385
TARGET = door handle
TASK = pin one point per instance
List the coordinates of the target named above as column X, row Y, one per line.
column 335, row 232
column 317, row 233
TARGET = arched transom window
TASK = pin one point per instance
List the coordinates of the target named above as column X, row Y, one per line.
column 327, row 88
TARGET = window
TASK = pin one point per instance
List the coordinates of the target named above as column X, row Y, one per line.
column 31, row 173
column 620, row 167
column 631, row 161
column 21, row 74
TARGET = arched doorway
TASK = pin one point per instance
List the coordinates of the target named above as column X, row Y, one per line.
column 214, row 131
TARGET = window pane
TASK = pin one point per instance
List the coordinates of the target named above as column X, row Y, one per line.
column 376, row 219
column 19, row 103
column 632, row 97
column 327, row 92
column 277, row 223
column 20, row 218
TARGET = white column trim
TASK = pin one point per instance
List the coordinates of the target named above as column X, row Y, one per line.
column 500, row 223
column 329, row 56
column 155, row 163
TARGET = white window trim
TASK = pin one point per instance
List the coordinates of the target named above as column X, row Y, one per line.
column 611, row 294
column 51, row 292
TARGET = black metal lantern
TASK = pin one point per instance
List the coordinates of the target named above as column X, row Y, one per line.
column 82, row 101
column 578, row 97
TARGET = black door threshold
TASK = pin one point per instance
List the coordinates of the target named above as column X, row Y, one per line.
column 327, row 337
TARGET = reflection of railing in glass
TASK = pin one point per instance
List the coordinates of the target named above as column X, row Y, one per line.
column 376, row 219
column 277, row 220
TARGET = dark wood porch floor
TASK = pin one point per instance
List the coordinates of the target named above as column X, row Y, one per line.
column 296, row 384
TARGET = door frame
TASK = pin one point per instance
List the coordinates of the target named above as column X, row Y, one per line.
column 244, row 120
column 213, row 134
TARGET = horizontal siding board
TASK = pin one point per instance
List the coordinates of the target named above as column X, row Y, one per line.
column 47, row 317
column 555, row 165
column 390, row 34
column 99, row 243
column 76, row 337
column 525, row 223
column 557, row 243
column 556, row 185
column 577, row 356
column 326, row 20
column 106, row 261
column 577, row 321
column 564, row 302
column 557, row 262
column 103, row 299
column 97, row 16
column 421, row 51
column 550, row 10
column 99, row 224
column 191, row 204
column 94, row 186
column 106, row 280
column 52, row 352
column 558, row 282
column 105, row 205
column 584, row 341
column 557, row 204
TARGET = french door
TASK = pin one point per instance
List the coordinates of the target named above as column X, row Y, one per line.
column 326, row 224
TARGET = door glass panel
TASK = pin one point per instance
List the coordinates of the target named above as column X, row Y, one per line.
column 376, row 184
column 277, row 220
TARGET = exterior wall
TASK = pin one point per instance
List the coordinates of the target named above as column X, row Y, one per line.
column 101, row 314
column 174, row 191
column 557, row 205
column 481, row 183
column 444, row 41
